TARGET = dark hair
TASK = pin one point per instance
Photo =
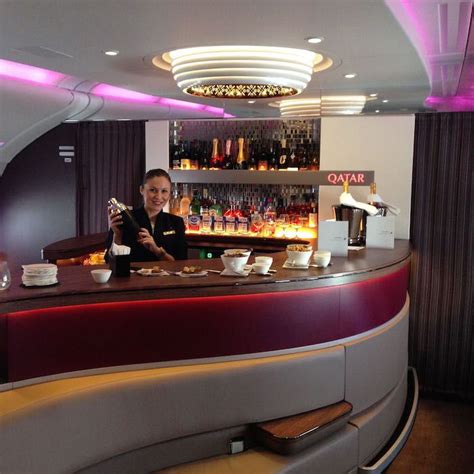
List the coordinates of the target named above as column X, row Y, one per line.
column 156, row 173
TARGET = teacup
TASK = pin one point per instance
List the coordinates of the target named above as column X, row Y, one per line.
column 101, row 275
column 322, row 258
column 264, row 259
column 234, row 264
column 261, row 268
column 298, row 254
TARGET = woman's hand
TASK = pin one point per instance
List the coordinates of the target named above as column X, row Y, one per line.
column 144, row 238
column 115, row 223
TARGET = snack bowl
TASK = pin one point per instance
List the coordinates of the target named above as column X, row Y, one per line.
column 246, row 252
column 235, row 262
column 299, row 254
column 322, row 258
column 101, row 275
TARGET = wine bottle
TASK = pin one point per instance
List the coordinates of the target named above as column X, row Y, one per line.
column 273, row 161
column 293, row 163
column 252, row 163
column 263, row 158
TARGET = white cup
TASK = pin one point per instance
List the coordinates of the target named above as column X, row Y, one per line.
column 322, row 258
column 101, row 275
column 234, row 264
column 261, row 268
column 296, row 257
column 264, row 259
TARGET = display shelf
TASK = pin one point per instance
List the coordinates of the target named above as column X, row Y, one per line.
column 314, row 178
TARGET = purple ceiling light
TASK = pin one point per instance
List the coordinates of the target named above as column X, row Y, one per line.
column 29, row 73
column 113, row 92
column 443, row 34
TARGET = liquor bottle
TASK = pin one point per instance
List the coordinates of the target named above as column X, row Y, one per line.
column 184, row 157
column 228, row 164
column 263, row 158
column 215, row 209
column 176, row 157
column 283, row 160
column 130, row 225
column 195, row 207
column 175, row 203
column 252, row 163
column 273, row 158
column 195, row 154
column 216, row 159
column 241, row 162
column 302, row 159
column 293, row 163
column 313, row 159
column 185, row 203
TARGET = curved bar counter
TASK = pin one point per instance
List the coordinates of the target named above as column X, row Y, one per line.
column 332, row 334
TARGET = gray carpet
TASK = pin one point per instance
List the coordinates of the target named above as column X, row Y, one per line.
column 442, row 440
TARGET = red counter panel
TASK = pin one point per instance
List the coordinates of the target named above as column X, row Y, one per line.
column 63, row 339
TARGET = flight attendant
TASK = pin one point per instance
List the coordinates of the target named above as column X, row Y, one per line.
column 161, row 235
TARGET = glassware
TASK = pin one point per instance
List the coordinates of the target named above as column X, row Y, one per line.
column 5, row 277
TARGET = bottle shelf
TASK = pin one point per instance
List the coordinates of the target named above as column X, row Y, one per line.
column 314, row 178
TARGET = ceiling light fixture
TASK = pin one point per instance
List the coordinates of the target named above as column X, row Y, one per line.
column 326, row 105
column 377, row 111
column 251, row 102
column 350, row 76
column 112, row 52
column 243, row 72
column 385, row 101
column 373, row 95
column 315, row 39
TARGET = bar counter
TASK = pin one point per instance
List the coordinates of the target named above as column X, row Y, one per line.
column 80, row 325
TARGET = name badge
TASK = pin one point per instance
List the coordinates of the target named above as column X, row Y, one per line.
column 169, row 232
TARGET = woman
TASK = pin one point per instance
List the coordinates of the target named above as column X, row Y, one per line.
column 161, row 235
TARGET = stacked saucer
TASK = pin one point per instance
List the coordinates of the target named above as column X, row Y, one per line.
column 39, row 274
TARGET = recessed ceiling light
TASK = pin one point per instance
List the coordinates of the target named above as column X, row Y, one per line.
column 377, row 111
column 251, row 102
column 373, row 95
column 112, row 52
column 385, row 101
column 350, row 76
column 315, row 39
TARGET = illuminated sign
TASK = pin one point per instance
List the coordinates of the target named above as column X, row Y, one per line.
column 355, row 178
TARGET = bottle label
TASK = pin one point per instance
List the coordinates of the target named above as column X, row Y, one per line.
column 194, row 223
column 218, row 224
column 206, row 223
column 243, row 225
column 230, row 224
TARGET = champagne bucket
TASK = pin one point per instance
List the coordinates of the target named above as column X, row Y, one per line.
column 356, row 219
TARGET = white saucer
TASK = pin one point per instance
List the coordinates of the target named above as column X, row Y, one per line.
column 148, row 273
column 292, row 266
column 191, row 275
column 230, row 273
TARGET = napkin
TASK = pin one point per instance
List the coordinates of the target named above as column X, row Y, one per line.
column 119, row 249
column 347, row 200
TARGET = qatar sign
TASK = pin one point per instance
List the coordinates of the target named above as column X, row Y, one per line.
column 355, row 178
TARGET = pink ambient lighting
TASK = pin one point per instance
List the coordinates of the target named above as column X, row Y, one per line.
column 29, row 73
column 106, row 90
column 2, row 143
column 451, row 104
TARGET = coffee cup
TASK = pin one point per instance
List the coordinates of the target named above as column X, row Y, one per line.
column 101, row 275
column 264, row 259
column 261, row 268
column 322, row 258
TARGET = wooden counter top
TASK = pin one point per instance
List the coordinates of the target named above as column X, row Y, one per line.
column 76, row 285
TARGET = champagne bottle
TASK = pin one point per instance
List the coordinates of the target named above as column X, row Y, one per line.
column 216, row 160
column 228, row 165
column 129, row 223
column 241, row 162
column 252, row 163
column 262, row 164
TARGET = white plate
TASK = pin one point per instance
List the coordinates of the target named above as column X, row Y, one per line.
column 292, row 266
column 148, row 273
column 191, row 275
column 230, row 273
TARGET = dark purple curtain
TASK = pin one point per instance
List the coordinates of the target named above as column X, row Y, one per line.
column 442, row 235
column 110, row 163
